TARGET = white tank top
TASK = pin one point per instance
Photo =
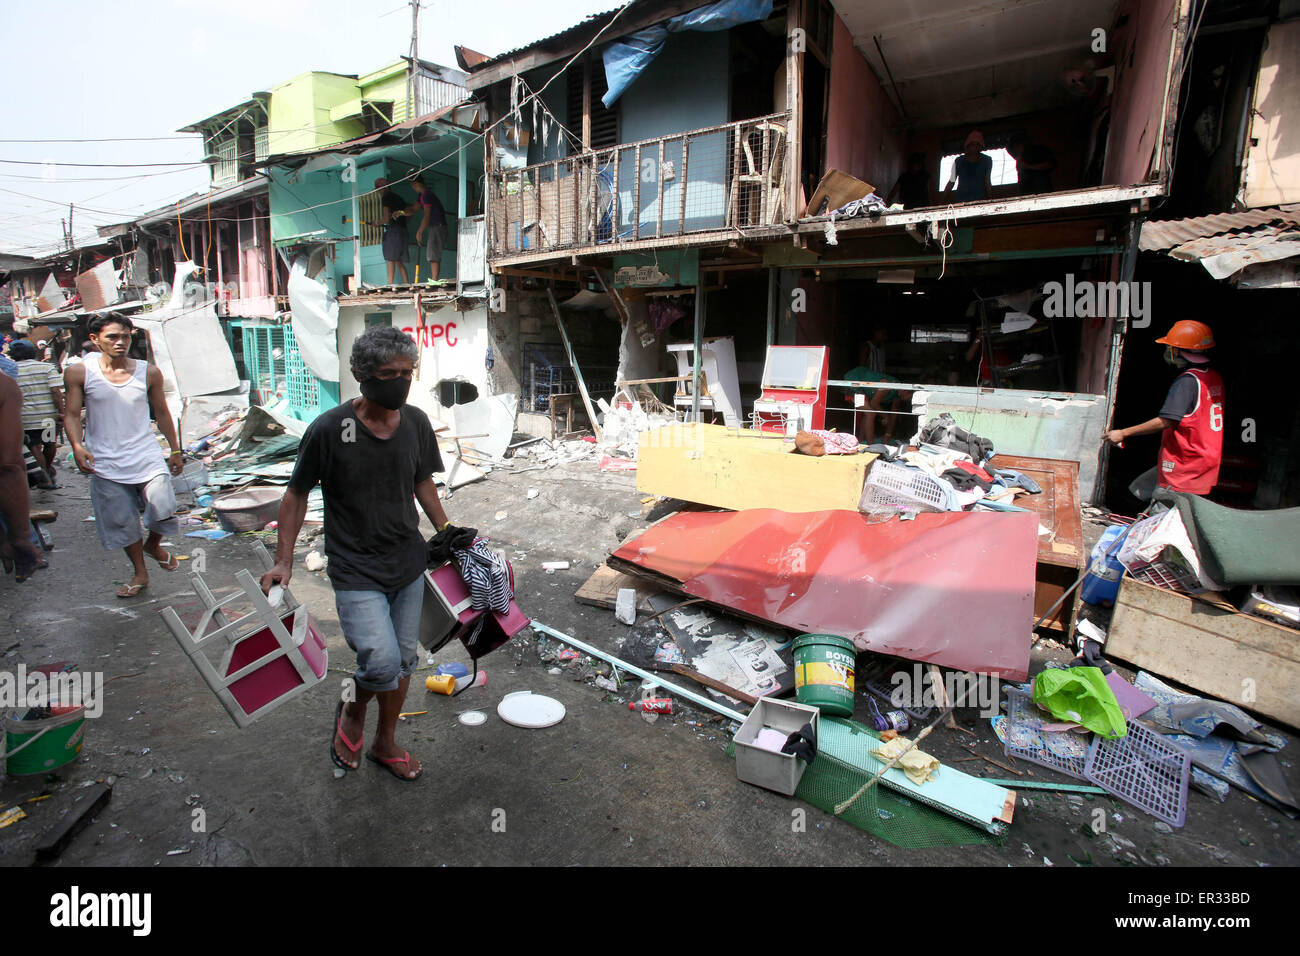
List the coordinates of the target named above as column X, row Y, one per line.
column 117, row 426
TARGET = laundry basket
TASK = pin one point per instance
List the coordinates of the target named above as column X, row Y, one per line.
column 890, row 488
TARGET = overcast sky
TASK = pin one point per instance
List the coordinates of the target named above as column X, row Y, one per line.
column 143, row 68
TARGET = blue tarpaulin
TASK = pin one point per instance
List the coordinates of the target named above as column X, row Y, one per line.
column 628, row 58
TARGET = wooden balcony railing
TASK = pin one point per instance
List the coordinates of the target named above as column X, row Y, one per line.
column 719, row 177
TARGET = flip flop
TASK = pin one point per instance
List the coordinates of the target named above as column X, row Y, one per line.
column 25, row 569
column 130, row 590
column 351, row 747
column 171, row 564
column 387, row 764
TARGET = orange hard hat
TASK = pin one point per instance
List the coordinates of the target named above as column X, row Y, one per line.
column 1189, row 334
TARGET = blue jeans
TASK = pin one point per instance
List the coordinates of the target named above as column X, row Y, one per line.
column 383, row 629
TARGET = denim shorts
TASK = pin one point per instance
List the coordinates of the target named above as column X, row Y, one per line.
column 383, row 629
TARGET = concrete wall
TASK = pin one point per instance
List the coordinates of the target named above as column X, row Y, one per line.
column 453, row 345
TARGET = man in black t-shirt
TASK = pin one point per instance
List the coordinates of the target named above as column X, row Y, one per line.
column 374, row 457
column 396, row 239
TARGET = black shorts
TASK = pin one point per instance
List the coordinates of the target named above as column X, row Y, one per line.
column 396, row 243
column 35, row 437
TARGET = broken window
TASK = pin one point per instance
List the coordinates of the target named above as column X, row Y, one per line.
column 1004, row 167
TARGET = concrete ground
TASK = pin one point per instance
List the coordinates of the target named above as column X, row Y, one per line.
column 602, row 787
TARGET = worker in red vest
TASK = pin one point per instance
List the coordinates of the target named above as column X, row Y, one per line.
column 1190, row 422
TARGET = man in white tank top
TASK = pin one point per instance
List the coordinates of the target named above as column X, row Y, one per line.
column 129, row 474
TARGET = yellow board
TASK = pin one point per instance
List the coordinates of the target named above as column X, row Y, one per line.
column 740, row 469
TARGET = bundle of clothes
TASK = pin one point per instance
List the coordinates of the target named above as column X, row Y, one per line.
column 959, row 462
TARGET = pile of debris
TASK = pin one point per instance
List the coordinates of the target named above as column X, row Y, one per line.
column 793, row 619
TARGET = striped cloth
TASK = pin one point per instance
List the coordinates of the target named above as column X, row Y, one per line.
column 488, row 576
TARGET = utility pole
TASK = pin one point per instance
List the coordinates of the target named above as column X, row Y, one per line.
column 69, row 227
column 415, row 59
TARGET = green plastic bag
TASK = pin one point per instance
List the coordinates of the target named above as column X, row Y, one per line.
column 1081, row 695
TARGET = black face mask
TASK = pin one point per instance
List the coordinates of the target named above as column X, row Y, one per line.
column 389, row 393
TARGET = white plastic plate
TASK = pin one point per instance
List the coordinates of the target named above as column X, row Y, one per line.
column 523, row 708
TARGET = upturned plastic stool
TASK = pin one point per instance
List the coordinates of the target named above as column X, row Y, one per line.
column 255, row 662
column 448, row 614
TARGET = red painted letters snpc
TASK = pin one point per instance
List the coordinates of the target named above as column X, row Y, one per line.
column 427, row 336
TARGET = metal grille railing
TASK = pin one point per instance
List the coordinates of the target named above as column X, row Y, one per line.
column 719, row 177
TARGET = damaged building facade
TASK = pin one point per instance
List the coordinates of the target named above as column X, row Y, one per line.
column 685, row 172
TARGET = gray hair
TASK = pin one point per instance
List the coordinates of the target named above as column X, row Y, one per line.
column 378, row 346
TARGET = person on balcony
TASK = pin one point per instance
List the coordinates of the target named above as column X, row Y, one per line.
column 913, row 186
column 972, row 172
column 396, row 240
column 433, row 224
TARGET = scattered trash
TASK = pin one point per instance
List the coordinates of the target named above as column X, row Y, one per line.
column 652, row 705
column 501, row 515
column 550, row 566
column 314, row 561
column 473, row 718
column 12, row 815
column 533, row 493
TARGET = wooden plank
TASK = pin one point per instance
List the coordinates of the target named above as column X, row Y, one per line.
column 715, row 466
column 601, row 589
column 83, row 810
column 573, row 361
column 1057, row 507
column 1221, row 653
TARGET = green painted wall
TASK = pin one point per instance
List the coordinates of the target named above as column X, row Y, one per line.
column 300, row 112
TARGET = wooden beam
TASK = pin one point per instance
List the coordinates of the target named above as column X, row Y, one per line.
column 573, row 361
column 586, row 102
column 793, row 103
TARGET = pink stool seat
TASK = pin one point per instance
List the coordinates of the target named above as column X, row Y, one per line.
column 279, row 677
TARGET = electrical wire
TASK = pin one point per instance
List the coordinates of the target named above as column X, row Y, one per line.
column 481, row 135
column 42, row 162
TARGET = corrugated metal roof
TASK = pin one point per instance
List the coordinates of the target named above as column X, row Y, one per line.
column 586, row 21
column 1165, row 235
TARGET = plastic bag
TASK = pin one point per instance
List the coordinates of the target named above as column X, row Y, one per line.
column 1081, row 695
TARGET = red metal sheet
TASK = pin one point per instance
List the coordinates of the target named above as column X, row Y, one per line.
column 955, row 589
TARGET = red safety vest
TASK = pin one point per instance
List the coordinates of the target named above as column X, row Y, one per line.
column 1190, row 452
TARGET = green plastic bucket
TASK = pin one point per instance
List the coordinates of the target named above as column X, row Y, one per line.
column 823, row 673
column 43, row 744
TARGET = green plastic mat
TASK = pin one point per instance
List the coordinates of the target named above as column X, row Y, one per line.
column 844, row 750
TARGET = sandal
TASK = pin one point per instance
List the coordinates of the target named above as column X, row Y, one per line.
column 387, row 764
column 131, row 590
column 24, row 569
column 171, row 564
column 351, row 747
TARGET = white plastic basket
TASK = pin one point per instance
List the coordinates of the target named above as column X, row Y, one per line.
column 890, row 487
column 1170, row 568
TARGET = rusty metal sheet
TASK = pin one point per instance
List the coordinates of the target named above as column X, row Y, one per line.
column 955, row 589
column 1159, row 236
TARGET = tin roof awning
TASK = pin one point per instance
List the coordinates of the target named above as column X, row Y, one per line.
column 1227, row 243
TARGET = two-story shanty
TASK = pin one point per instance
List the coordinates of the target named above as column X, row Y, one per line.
column 682, row 161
